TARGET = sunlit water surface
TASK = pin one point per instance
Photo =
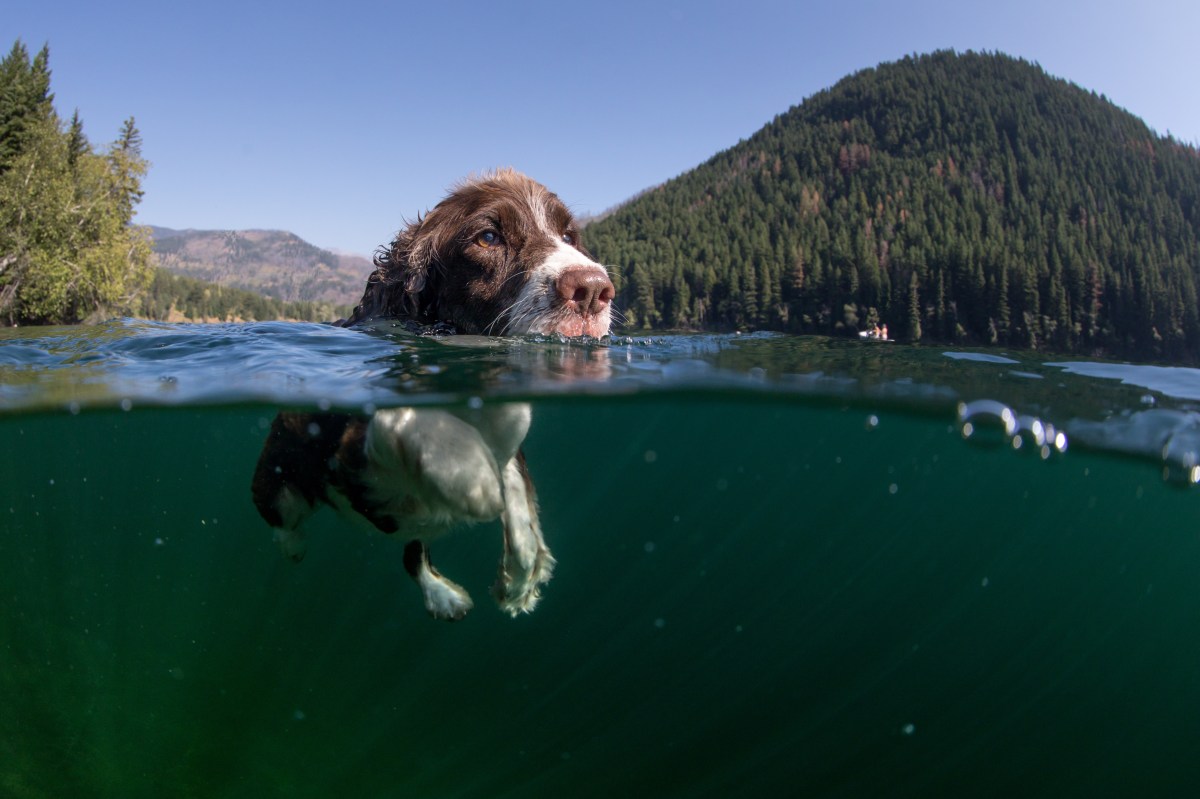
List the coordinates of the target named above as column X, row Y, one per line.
column 786, row 566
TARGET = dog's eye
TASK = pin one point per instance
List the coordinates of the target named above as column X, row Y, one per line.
column 569, row 238
column 488, row 238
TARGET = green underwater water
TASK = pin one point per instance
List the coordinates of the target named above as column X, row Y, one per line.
column 759, row 592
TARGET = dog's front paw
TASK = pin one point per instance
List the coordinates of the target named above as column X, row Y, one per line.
column 446, row 600
column 292, row 544
column 518, row 587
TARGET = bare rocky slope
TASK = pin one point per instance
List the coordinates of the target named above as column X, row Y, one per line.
column 271, row 262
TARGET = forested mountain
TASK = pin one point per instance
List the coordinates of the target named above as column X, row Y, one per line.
column 957, row 197
column 270, row 262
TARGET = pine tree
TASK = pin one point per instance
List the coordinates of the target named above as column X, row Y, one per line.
column 681, row 301
column 68, row 251
column 914, row 308
column 77, row 143
column 643, row 306
column 25, row 100
column 128, row 168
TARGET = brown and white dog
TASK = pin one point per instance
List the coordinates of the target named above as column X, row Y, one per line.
column 500, row 255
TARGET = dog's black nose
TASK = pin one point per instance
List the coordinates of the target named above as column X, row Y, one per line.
column 586, row 289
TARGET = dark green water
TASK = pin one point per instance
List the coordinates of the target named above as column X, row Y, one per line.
column 782, row 571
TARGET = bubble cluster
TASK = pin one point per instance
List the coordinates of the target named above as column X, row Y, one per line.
column 1040, row 437
column 992, row 423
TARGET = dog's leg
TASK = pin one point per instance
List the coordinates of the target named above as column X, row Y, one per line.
column 285, row 508
column 292, row 472
column 293, row 510
column 527, row 562
column 443, row 599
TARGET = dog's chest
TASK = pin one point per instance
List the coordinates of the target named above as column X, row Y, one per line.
column 422, row 470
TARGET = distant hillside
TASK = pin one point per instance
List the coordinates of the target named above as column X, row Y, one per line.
column 270, row 262
column 958, row 198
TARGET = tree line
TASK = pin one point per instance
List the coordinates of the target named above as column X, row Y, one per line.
column 172, row 297
column 964, row 198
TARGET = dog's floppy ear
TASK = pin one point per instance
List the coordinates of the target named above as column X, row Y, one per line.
column 410, row 258
column 398, row 286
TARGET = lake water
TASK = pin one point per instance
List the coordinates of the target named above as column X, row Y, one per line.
column 787, row 566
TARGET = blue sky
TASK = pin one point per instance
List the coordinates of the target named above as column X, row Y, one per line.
column 338, row 120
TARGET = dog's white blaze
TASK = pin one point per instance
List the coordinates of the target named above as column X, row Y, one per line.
column 535, row 201
column 533, row 312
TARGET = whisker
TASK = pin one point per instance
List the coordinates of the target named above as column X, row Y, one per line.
column 507, row 311
column 487, row 331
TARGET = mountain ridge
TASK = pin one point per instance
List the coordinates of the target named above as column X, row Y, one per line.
column 962, row 198
column 275, row 263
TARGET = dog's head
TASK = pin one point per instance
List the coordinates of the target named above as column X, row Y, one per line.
column 500, row 255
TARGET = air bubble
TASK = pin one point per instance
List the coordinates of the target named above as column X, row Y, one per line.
column 992, row 423
column 987, row 422
column 1181, row 457
column 1031, row 429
